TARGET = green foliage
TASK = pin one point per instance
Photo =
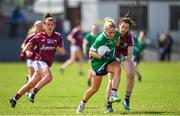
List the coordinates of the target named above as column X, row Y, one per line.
column 157, row 94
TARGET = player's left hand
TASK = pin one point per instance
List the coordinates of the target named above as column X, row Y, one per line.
column 105, row 56
column 22, row 56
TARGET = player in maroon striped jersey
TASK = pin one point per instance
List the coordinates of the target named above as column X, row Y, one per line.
column 124, row 54
column 30, row 54
column 76, row 39
column 48, row 43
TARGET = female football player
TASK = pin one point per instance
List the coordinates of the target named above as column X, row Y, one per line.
column 87, row 43
column 138, row 53
column 48, row 43
column 76, row 40
column 30, row 54
column 124, row 53
column 101, row 65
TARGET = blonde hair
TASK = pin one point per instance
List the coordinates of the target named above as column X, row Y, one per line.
column 109, row 23
column 32, row 29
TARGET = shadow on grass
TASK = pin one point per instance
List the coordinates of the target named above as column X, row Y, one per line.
column 62, row 107
column 150, row 113
column 63, row 96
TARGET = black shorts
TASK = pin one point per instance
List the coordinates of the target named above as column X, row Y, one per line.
column 103, row 71
column 137, row 59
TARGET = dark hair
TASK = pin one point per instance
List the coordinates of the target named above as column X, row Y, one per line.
column 46, row 15
column 49, row 17
column 127, row 20
column 77, row 22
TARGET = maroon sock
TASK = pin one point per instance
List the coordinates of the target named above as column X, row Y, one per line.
column 84, row 101
column 17, row 96
column 35, row 90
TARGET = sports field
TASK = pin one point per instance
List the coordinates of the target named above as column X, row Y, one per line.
column 157, row 94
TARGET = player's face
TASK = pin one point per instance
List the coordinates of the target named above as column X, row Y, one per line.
column 123, row 28
column 141, row 35
column 49, row 26
column 94, row 30
column 110, row 32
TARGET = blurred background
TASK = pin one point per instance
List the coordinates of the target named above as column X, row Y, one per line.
column 159, row 19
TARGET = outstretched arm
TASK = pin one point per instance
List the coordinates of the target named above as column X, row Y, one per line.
column 130, row 53
column 71, row 39
column 27, row 46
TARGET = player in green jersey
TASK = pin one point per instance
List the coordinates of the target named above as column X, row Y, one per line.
column 138, row 53
column 88, row 41
column 101, row 65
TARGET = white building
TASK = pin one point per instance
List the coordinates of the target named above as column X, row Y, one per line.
column 154, row 16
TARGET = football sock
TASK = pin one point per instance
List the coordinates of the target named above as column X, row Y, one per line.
column 128, row 95
column 16, row 97
column 84, row 101
column 109, row 103
column 35, row 90
column 113, row 91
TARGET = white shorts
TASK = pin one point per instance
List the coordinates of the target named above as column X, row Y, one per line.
column 75, row 48
column 37, row 65
column 29, row 63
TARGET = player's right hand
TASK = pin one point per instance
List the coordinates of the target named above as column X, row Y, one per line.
column 29, row 53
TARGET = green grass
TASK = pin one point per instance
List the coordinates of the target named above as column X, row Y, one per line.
column 157, row 94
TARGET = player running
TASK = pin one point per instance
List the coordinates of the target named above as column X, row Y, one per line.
column 76, row 40
column 30, row 54
column 101, row 65
column 88, row 41
column 48, row 43
column 138, row 52
column 124, row 53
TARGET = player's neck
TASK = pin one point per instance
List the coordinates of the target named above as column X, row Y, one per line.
column 49, row 34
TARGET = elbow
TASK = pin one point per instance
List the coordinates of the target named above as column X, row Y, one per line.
column 63, row 52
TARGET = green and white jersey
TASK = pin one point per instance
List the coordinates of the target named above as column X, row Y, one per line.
column 102, row 39
column 138, row 48
column 90, row 39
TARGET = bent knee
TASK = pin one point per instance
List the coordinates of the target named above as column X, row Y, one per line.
column 118, row 68
column 131, row 75
column 48, row 79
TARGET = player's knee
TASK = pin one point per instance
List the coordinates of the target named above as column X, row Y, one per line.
column 131, row 75
column 118, row 69
column 48, row 78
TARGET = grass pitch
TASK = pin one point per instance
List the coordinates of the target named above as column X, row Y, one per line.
column 157, row 94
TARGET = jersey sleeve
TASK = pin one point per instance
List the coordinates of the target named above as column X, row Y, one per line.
column 34, row 40
column 96, row 45
column 60, row 41
column 73, row 32
column 26, row 40
column 87, row 36
column 130, row 39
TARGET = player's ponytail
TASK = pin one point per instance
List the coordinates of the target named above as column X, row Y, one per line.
column 126, row 18
column 133, row 3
